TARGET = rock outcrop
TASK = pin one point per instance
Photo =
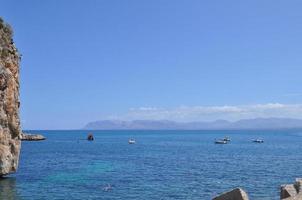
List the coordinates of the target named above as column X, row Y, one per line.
column 236, row 194
column 32, row 137
column 10, row 143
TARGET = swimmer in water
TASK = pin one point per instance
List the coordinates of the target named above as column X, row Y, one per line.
column 107, row 188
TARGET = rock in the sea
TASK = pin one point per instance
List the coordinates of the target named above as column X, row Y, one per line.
column 298, row 185
column 90, row 137
column 292, row 191
column 10, row 131
column 288, row 191
column 236, row 194
column 32, row 137
column 8, row 189
column 297, row 197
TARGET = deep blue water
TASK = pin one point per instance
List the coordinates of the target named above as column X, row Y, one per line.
column 162, row 165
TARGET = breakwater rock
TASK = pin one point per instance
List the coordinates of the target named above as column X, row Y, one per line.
column 32, row 137
column 292, row 191
column 287, row 192
column 236, row 194
column 10, row 131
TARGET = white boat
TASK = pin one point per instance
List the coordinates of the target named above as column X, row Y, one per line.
column 258, row 141
column 131, row 141
column 220, row 142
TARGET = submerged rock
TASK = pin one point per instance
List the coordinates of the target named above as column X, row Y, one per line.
column 32, row 137
column 8, row 189
column 10, row 131
column 236, row 194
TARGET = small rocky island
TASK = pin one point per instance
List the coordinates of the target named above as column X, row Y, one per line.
column 10, row 130
column 32, row 137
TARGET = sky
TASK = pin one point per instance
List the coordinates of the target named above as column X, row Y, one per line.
column 181, row 60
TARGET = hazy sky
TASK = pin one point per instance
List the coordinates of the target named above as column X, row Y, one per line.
column 95, row 59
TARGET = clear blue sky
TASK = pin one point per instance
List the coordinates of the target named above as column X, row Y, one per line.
column 85, row 60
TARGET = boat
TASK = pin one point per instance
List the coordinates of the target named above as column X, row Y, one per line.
column 258, row 141
column 90, row 137
column 227, row 139
column 131, row 141
column 220, row 142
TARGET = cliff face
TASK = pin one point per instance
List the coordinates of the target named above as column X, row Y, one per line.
column 10, row 143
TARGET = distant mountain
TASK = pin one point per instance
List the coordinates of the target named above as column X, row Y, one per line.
column 250, row 124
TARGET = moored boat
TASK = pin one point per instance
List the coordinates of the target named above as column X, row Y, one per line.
column 131, row 141
column 258, row 141
column 220, row 142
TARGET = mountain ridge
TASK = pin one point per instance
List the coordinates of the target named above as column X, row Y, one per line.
column 250, row 124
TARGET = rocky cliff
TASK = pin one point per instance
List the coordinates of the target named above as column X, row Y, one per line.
column 10, row 143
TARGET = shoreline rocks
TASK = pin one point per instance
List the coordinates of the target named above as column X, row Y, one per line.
column 291, row 191
column 235, row 194
column 32, row 137
column 287, row 192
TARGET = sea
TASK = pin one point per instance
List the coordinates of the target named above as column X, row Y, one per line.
column 160, row 165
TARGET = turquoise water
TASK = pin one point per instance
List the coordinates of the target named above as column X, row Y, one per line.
column 162, row 165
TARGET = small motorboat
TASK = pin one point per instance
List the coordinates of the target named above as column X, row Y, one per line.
column 258, row 141
column 227, row 139
column 221, row 141
column 90, row 137
column 131, row 141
